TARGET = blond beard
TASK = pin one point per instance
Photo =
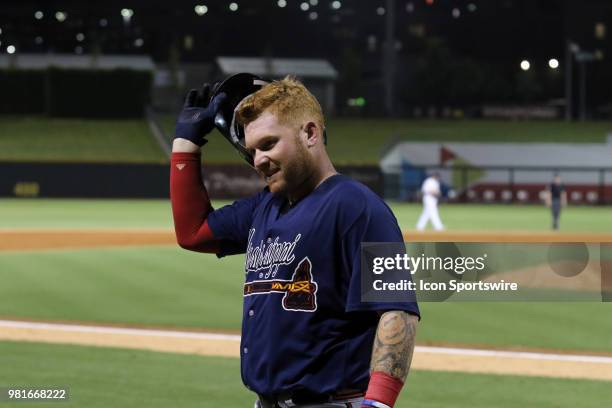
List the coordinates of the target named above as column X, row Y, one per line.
column 297, row 171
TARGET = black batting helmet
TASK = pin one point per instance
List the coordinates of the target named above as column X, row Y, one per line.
column 237, row 87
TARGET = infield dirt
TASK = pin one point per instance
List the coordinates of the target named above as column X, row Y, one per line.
column 22, row 239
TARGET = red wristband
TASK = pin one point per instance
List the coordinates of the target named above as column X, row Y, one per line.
column 383, row 388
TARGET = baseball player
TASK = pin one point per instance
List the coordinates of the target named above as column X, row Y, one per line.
column 307, row 338
column 431, row 192
column 556, row 198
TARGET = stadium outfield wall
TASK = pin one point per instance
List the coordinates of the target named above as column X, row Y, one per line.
column 114, row 180
column 501, row 172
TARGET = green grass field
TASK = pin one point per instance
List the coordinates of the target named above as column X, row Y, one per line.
column 171, row 286
column 25, row 138
column 351, row 141
column 167, row 286
column 99, row 377
column 53, row 213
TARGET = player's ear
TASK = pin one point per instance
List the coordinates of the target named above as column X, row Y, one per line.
column 313, row 134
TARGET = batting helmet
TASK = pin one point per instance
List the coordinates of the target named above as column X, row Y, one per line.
column 237, row 87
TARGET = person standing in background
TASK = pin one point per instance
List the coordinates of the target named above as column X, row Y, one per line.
column 431, row 193
column 556, row 198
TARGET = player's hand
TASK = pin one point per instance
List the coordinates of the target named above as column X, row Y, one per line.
column 197, row 119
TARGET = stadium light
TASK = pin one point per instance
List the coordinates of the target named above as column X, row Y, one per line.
column 127, row 14
column 38, row 40
column 336, row 5
column 356, row 102
column 380, row 11
column 600, row 31
column 410, row 7
column 553, row 63
column 472, row 7
column 11, row 49
column 78, row 50
column 314, row 2
column 456, row 13
column 304, row 6
column 39, row 15
column 201, row 9
column 0, row 30
column 103, row 22
column 313, row 15
column 80, row 37
column 139, row 42
column 525, row 65
column 61, row 16
column 282, row 3
column 233, row 6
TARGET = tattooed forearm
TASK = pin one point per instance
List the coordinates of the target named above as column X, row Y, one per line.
column 394, row 344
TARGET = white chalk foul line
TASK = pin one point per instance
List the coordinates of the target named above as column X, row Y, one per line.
column 236, row 338
column 117, row 330
column 515, row 354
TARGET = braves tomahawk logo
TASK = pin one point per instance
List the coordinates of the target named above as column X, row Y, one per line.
column 300, row 292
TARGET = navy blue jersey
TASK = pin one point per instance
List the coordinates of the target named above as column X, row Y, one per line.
column 304, row 325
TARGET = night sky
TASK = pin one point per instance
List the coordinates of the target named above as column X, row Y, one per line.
column 493, row 34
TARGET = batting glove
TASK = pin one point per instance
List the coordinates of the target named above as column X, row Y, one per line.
column 197, row 119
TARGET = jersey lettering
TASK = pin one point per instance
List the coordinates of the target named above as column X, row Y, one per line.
column 269, row 255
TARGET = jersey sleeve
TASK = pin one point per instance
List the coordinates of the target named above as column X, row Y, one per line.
column 231, row 224
column 372, row 221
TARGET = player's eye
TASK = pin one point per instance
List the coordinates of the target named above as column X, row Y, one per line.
column 267, row 145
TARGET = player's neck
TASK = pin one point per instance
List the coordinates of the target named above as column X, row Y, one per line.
column 310, row 183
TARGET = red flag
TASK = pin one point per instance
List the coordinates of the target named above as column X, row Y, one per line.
column 445, row 155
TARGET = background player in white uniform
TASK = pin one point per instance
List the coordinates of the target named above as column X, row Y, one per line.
column 431, row 193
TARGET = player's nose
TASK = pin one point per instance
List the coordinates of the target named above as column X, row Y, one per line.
column 260, row 160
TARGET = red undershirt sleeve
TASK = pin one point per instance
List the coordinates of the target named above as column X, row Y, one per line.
column 190, row 204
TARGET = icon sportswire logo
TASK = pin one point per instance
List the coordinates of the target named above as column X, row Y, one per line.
column 266, row 257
